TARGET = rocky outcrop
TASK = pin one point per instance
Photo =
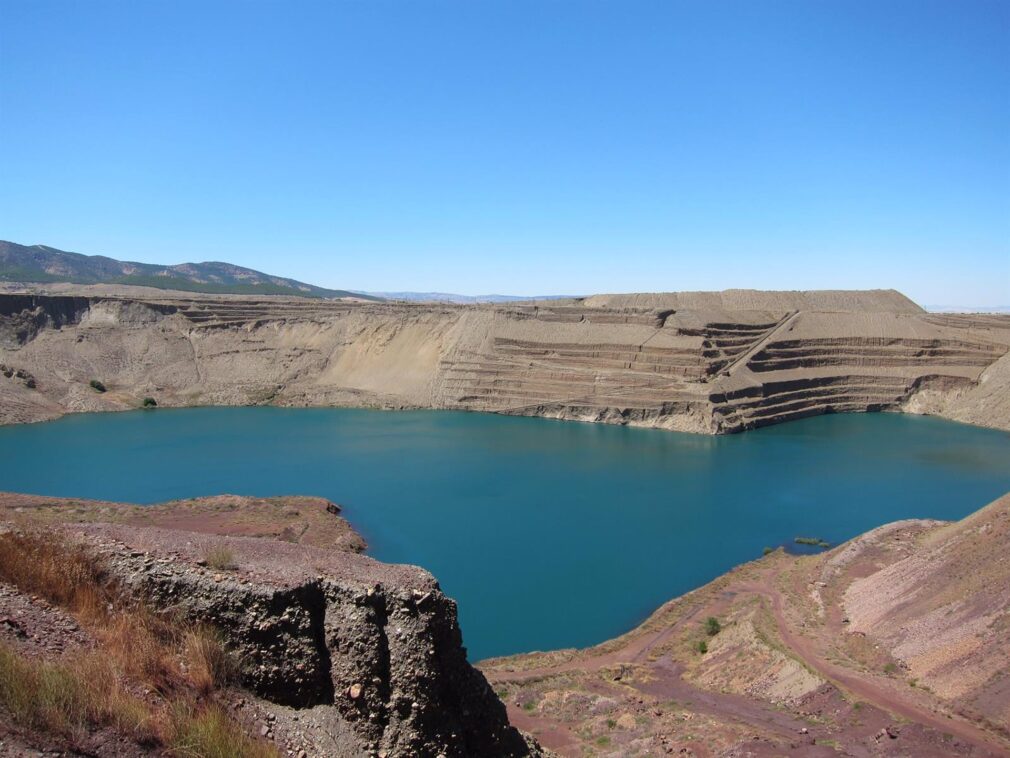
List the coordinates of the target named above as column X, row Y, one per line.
column 376, row 646
column 702, row 362
column 22, row 317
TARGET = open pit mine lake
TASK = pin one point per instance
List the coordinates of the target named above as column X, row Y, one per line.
column 549, row 534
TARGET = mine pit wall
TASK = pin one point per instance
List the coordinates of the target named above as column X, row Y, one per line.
column 386, row 655
column 701, row 370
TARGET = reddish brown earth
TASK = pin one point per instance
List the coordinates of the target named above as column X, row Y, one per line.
column 896, row 643
column 302, row 520
column 792, row 670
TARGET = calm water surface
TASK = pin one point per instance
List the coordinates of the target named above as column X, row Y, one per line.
column 549, row 534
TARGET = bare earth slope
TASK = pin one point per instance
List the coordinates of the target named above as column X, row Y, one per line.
column 702, row 362
column 895, row 643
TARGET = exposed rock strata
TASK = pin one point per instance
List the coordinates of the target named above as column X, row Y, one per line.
column 894, row 643
column 375, row 645
column 702, row 362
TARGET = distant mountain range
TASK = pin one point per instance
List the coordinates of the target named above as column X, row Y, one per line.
column 42, row 264
column 448, row 297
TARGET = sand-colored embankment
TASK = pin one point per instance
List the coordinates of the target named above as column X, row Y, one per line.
column 701, row 362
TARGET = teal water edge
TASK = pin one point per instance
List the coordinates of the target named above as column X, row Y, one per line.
column 549, row 534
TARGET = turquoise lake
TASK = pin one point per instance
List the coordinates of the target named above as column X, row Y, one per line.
column 549, row 534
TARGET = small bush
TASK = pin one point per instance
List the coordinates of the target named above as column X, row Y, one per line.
column 815, row 541
column 767, row 551
column 97, row 386
column 702, row 647
column 712, row 626
column 150, row 402
column 220, row 557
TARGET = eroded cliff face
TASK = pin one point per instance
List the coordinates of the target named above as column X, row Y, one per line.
column 370, row 651
column 701, row 362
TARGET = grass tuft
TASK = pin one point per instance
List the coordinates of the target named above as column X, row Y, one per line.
column 210, row 664
column 210, row 733
column 220, row 557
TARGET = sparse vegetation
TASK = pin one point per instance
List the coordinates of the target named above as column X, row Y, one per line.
column 150, row 402
column 712, row 626
column 138, row 650
column 702, row 647
column 220, row 557
column 890, row 668
column 66, row 698
column 211, row 666
column 96, row 385
column 210, row 733
column 767, row 551
column 815, row 541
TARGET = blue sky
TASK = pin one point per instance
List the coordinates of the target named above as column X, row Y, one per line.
column 520, row 147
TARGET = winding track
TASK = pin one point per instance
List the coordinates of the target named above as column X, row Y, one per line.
column 638, row 649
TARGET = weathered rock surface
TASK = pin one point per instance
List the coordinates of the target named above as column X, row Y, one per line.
column 373, row 650
column 702, row 362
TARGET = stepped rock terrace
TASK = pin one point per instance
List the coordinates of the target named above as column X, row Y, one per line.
column 700, row 362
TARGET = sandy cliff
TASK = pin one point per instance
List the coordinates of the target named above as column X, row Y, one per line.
column 702, row 362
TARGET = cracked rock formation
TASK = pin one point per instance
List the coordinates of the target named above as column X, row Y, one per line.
column 375, row 646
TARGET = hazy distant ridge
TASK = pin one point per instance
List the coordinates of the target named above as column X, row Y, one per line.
column 449, row 297
column 39, row 263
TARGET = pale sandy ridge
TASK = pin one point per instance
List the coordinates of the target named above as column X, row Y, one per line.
column 700, row 362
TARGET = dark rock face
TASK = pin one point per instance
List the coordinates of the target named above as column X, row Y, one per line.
column 385, row 651
column 24, row 316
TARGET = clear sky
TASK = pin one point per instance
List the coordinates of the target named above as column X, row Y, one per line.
column 521, row 147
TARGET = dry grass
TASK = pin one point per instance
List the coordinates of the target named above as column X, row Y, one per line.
column 210, row 664
column 138, row 651
column 63, row 572
column 220, row 557
column 67, row 697
column 210, row 733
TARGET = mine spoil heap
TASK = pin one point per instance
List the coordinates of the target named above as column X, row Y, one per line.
column 702, row 362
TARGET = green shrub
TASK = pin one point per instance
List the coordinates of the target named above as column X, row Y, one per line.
column 712, row 626
column 97, row 386
column 815, row 541
column 767, row 551
column 702, row 647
